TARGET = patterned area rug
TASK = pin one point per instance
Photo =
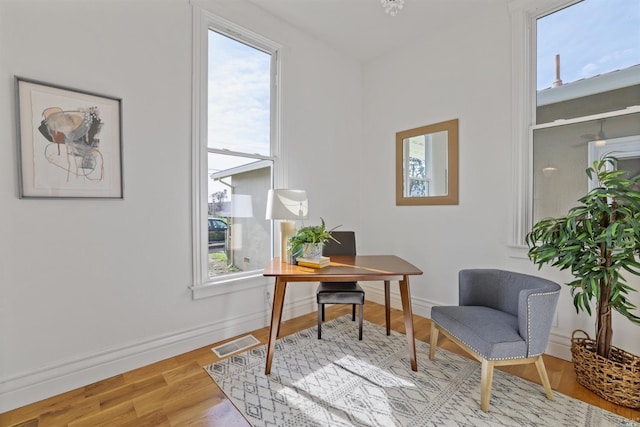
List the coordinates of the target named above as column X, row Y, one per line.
column 340, row 381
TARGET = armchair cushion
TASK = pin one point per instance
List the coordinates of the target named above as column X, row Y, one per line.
column 489, row 332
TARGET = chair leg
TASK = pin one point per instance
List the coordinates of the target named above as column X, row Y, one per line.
column 360, row 321
column 486, row 378
column 542, row 371
column 320, row 319
column 387, row 306
column 353, row 312
column 433, row 341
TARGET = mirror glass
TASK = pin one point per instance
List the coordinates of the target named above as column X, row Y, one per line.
column 427, row 165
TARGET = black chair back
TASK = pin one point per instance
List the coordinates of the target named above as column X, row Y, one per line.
column 346, row 247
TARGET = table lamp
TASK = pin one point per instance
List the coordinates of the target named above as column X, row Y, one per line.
column 287, row 205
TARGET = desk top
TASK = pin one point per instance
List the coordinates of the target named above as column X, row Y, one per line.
column 345, row 268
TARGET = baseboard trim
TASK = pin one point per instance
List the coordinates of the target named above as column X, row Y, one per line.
column 33, row 386
column 30, row 387
column 559, row 346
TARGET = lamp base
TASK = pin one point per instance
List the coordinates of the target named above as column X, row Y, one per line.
column 287, row 229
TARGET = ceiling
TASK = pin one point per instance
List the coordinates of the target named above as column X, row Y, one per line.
column 361, row 28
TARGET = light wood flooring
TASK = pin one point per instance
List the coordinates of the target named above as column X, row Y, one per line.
column 178, row 392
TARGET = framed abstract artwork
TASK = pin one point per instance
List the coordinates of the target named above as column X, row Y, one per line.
column 69, row 142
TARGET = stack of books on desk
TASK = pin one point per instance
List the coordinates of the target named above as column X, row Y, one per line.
column 319, row 262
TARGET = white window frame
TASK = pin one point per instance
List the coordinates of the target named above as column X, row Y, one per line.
column 524, row 14
column 203, row 21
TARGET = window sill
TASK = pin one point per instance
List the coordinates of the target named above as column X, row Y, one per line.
column 228, row 284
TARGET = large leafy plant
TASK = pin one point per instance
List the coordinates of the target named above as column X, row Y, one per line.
column 313, row 234
column 597, row 240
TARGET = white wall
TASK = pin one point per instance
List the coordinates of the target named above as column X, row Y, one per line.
column 462, row 72
column 92, row 288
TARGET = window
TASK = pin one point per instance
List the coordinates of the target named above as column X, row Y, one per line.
column 576, row 84
column 584, row 101
column 234, row 154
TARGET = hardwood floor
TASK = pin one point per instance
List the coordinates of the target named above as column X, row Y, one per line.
column 178, row 392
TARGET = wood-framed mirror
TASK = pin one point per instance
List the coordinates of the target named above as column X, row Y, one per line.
column 427, row 165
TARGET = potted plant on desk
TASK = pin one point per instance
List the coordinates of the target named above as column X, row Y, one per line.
column 596, row 241
column 308, row 241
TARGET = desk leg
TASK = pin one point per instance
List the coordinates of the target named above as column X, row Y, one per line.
column 408, row 320
column 387, row 306
column 276, row 316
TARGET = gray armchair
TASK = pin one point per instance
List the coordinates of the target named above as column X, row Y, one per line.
column 503, row 318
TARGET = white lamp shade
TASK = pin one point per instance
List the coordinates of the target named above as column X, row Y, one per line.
column 287, row 204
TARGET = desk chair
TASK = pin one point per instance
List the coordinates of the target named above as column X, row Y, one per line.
column 503, row 318
column 340, row 292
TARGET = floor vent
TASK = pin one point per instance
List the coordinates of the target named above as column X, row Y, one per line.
column 236, row 345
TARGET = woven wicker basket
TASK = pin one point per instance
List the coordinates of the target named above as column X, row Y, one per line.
column 616, row 380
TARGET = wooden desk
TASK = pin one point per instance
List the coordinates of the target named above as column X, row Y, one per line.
column 345, row 269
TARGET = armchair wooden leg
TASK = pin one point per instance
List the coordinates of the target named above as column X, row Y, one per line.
column 433, row 341
column 353, row 312
column 486, row 378
column 542, row 371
